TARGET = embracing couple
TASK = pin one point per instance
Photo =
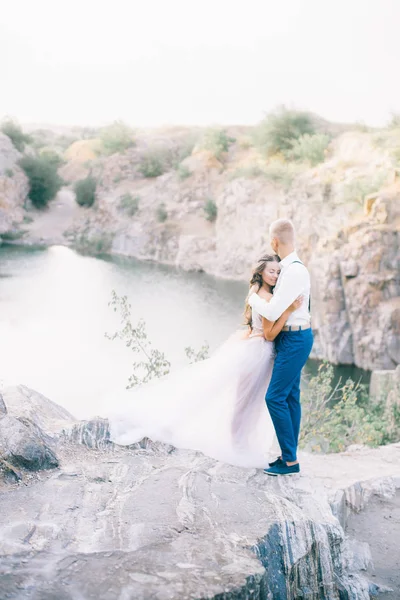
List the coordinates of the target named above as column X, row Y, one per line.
column 242, row 404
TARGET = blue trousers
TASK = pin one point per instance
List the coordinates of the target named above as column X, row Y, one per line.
column 283, row 394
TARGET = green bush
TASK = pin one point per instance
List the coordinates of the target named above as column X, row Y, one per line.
column 310, row 148
column 336, row 416
column 129, row 204
column 217, row 141
column 117, row 137
column 9, row 172
column 94, row 244
column 211, row 210
column 153, row 164
column 357, row 189
column 15, row 133
column 183, row 172
column 162, row 214
column 85, row 191
column 280, row 129
column 44, row 181
column 52, row 157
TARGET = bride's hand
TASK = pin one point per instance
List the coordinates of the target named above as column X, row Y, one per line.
column 296, row 304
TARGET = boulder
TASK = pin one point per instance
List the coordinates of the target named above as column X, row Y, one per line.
column 22, row 401
column 3, row 408
column 23, row 445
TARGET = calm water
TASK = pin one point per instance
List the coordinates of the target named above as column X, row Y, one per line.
column 54, row 313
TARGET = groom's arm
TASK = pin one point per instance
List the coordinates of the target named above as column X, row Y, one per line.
column 291, row 287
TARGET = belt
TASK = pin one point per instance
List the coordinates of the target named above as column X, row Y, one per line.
column 296, row 327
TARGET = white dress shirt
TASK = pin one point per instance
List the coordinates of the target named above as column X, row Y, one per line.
column 293, row 281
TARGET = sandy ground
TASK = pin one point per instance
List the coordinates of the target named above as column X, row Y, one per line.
column 48, row 226
column 379, row 526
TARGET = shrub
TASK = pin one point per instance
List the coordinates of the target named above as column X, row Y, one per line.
column 336, row 416
column 129, row 204
column 276, row 171
column 92, row 243
column 211, row 210
column 85, row 191
column 217, row 142
column 356, row 189
column 44, row 181
column 9, row 172
column 183, row 172
column 162, row 214
column 310, row 148
column 117, row 137
column 15, row 133
column 152, row 164
column 280, row 129
column 53, row 157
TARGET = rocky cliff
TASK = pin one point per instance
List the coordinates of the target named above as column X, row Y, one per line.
column 349, row 238
column 13, row 186
column 150, row 521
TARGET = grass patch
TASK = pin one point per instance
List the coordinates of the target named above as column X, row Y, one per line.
column 129, row 204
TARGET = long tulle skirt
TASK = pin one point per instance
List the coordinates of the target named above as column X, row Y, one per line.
column 216, row 406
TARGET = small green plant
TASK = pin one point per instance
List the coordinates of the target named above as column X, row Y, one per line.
column 9, row 172
column 280, row 129
column 357, row 189
column 211, row 210
column 92, row 244
column 152, row 164
column 162, row 214
column 85, row 191
column 248, row 172
column 152, row 363
column 197, row 355
column 336, row 416
column 14, row 131
column 183, row 172
column 129, row 204
column 310, row 148
column 217, row 141
column 44, row 181
column 116, row 137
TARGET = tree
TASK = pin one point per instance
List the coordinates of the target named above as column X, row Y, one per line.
column 14, row 131
column 44, row 181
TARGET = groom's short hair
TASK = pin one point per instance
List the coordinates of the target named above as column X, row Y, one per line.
column 283, row 230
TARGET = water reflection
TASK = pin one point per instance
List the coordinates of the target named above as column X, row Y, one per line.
column 54, row 314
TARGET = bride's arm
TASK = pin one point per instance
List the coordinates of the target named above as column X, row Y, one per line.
column 272, row 328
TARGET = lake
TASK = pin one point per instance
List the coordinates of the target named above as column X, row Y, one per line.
column 54, row 314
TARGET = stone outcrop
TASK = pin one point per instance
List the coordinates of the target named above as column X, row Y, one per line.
column 13, row 186
column 154, row 522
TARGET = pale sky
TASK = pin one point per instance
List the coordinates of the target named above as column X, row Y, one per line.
column 159, row 62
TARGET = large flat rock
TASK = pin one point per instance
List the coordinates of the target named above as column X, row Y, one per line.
column 140, row 524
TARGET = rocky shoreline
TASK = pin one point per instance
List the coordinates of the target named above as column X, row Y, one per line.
column 350, row 240
column 151, row 521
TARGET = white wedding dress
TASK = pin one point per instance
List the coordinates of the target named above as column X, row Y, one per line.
column 216, row 406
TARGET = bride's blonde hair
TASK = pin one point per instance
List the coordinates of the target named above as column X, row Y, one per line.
column 256, row 279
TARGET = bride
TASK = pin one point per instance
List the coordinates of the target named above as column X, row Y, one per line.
column 216, row 406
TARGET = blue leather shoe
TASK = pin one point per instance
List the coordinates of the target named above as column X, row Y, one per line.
column 282, row 469
column 278, row 461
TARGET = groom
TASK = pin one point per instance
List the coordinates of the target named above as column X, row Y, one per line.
column 293, row 345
